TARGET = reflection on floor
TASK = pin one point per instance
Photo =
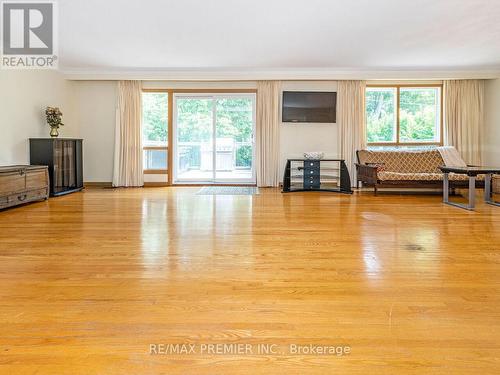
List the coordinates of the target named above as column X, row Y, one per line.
column 199, row 175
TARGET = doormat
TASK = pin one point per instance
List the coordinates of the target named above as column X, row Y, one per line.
column 228, row 190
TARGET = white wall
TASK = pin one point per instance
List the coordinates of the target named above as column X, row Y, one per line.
column 200, row 85
column 23, row 98
column 491, row 136
column 88, row 112
column 297, row 138
column 96, row 103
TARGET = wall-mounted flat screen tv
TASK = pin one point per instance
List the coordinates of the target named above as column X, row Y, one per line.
column 309, row 106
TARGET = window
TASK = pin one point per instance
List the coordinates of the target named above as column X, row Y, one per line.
column 403, row 115
column 155, row 131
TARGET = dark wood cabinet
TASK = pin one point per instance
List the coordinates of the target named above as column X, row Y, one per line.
column 63, row 156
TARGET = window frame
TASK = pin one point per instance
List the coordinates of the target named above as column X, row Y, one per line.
column 398, row 125
column 170, row 126
column 168, row 147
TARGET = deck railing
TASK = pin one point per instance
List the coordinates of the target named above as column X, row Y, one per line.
column 198, row 155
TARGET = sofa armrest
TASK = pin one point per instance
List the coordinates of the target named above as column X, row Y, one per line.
column 367, row 173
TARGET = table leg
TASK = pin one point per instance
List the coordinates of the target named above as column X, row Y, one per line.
column 487, row 191
column 472, row 192
column 446, row 188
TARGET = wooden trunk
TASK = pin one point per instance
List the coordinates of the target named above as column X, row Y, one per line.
column 22, row 184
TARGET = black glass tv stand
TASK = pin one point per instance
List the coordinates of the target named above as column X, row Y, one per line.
column 316, row 175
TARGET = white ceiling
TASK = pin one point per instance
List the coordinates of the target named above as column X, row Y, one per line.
column 279, row 35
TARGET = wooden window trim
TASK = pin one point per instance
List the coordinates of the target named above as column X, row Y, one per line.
column 156, row 171
column 398, row 88
column 155, row 147
column 170, row 119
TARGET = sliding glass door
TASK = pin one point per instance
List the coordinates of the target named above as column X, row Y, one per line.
column 214, row 138
column 193, row 133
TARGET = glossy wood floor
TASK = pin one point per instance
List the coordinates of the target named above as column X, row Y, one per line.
column 89, row 281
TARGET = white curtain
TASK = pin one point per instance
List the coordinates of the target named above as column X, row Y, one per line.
column 464, row 117
column 268, row 133
column 128, row 169
column 351, row 122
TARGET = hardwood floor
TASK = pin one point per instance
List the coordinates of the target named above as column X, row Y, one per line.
column 90, row 281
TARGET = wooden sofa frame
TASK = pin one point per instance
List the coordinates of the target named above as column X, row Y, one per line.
column 367, row 176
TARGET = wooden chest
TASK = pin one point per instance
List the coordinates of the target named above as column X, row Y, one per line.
column 22, row 184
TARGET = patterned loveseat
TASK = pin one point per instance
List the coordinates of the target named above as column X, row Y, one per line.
column 406, row 169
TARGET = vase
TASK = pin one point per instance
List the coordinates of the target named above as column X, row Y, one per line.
column 53, row 132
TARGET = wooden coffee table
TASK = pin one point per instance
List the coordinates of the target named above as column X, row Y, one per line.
column 472, row 172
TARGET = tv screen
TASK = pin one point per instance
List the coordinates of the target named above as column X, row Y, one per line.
column 301, row 106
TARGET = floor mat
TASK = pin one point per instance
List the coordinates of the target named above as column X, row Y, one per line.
column 228, row 190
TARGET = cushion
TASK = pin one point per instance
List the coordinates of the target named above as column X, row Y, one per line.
column 451, row 157
column 421, row 161
column 395, row 176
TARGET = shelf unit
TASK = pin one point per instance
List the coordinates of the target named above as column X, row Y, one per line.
column 316, row 175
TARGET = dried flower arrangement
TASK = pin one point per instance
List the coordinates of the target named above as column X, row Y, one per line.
column 54, row 119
